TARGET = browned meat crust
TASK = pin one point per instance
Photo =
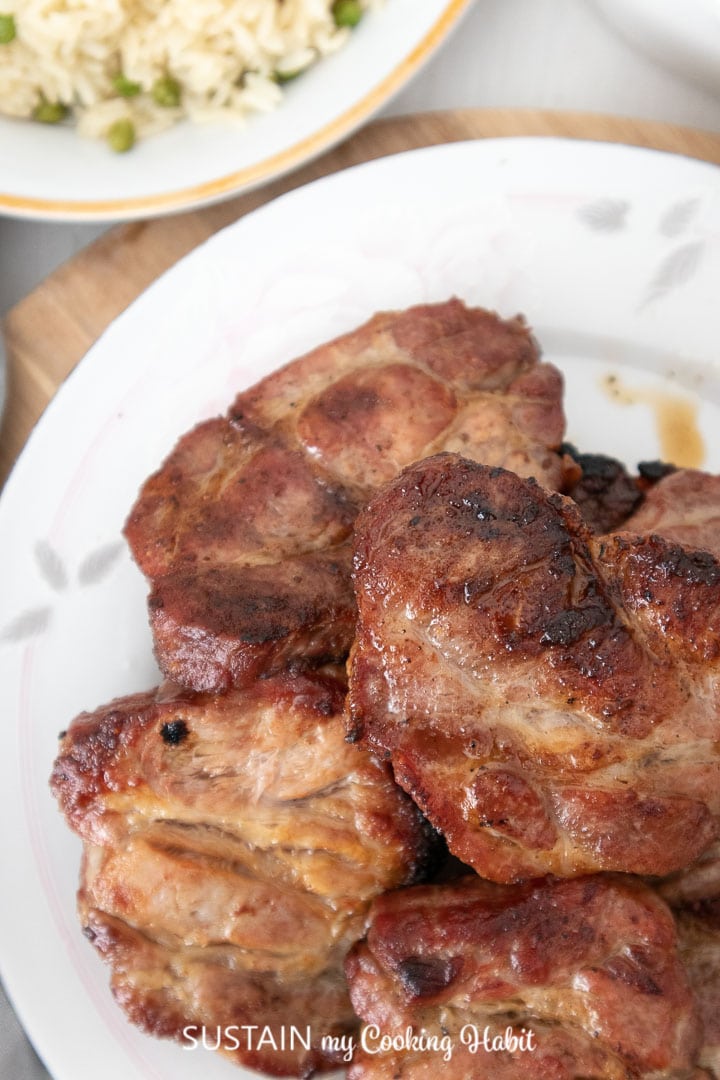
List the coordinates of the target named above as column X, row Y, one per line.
column 245, row 542
column 224, row 626
column 549, row 698
column 231, row 848
column 605, row 493
column 589, row 968
column 243, row 532
column 683, row 506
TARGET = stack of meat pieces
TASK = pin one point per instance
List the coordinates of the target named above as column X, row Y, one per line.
column 246, row 531
column 233, row 838
column 541, row 684
column 550, row 698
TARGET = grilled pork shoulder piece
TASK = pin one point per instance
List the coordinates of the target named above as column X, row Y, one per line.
column 564, row 979
column 232, row 846
column 244, row 533
column 683, row 506
column 699, row 938
column 548, row 697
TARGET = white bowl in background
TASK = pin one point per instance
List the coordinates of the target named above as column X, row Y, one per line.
column 684, row 35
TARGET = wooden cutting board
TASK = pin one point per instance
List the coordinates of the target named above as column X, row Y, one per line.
column 51, row 329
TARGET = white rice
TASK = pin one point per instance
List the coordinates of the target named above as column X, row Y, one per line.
column 225, row 54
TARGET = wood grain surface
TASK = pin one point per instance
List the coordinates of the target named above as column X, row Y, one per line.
column 49, row 331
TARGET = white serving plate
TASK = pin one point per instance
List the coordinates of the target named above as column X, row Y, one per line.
column 51, row 173
column 612, row 253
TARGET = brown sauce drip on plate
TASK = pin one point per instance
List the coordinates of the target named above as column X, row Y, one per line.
column 676, row 420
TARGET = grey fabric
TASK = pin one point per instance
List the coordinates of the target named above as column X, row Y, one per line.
column 18, row 1060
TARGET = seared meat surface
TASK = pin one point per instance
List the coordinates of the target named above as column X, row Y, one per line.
column 232, row 846
column 604, row 492
column 683, row 506
column 584, row 974
column 548, row 697
column 244, row 531
column 245, row 542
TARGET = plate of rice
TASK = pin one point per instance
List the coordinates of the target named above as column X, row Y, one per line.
column 118, row 109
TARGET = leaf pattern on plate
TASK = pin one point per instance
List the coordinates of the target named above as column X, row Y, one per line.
column 50, row 565
column 678, row 266
column 98, row 564
column 605, row 215
column 677, row 217
column 28, row 624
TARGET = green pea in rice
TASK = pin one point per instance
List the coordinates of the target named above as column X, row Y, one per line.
column 228, row 57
